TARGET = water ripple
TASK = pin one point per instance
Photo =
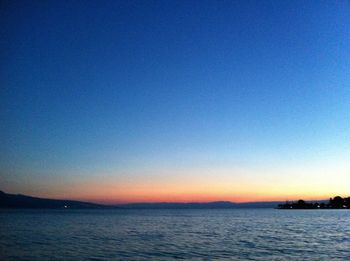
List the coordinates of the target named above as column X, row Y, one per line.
column 175, row 234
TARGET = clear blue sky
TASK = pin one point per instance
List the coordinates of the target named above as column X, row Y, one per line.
column 128, row 97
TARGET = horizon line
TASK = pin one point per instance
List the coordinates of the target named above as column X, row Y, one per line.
column 165, row 202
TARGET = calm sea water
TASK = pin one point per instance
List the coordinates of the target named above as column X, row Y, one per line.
column 237, row 234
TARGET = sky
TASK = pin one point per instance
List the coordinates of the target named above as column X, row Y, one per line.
column 149, row 101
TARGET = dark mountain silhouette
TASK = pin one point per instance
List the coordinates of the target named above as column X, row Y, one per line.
column 22, row 201
column 177, row 205
column 197, row 205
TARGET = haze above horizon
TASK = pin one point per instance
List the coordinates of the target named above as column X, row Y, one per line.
column 178, row 101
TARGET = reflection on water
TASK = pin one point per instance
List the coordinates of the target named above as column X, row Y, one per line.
column 253, row 234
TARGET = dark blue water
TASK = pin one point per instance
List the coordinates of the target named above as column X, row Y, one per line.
column 245, row 234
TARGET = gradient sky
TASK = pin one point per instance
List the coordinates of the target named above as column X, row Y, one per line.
column 124, row 101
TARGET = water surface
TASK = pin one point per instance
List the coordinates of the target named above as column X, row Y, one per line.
column 236, row 234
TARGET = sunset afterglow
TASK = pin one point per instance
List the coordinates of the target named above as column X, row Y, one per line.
column 175, row 101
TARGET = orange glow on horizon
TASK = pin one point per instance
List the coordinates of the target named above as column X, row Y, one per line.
column 205, row 197
column 195, row 198
column 201, row 185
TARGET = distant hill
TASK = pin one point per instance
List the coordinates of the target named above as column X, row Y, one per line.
column 176, row 205
column 22, row 201
column 196, row 205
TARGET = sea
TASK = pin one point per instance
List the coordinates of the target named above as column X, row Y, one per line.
column 188, row 234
